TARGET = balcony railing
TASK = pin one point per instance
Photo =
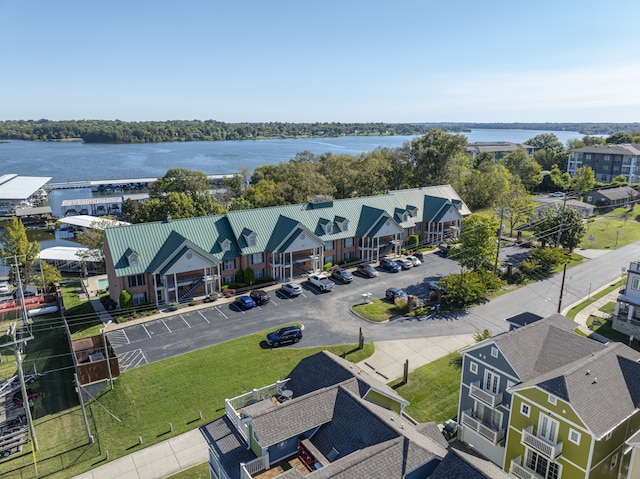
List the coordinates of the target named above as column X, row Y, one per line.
column 520, row 471
column 539, row 444
column 259, row 464
column 474, row 423
column 487, row 397
column 214, row 463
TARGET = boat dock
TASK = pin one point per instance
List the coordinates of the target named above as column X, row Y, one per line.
column 131, row 184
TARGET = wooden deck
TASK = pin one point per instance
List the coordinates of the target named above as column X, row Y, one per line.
column 281, row 467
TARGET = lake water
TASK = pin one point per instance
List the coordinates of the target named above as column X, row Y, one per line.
column 75, row 161
column 78, row 161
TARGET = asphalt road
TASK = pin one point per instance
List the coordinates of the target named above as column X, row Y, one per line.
column 328, row 320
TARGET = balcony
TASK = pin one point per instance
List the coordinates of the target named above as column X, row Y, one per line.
column 486, row 431
column 522, row 472
column 490, row 399
column 541, row 445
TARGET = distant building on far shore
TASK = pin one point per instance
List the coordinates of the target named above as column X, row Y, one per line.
column 499, row 149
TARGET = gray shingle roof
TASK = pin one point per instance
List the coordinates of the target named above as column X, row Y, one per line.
column 325, row 369
column 543, row 346
column 608, row 380
column 460, row 463
column 621, row 193
column 222, row 435
column 622, row 149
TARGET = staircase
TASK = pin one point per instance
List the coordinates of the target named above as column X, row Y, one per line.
column 193, row 287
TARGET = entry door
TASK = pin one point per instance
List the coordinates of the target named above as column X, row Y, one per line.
column 491, row 382
column 548, row 428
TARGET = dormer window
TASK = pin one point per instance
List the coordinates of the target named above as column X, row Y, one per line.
column 345, row 225
column 225, row 245
column 329, row 228
column 405, row 216
column 133, row 259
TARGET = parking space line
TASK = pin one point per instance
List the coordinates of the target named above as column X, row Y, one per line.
column 185, row 321
column 205, row 318
column 165, row 325
column 146, row 330
column 220, row 311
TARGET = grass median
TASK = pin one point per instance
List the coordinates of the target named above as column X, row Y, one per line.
column 147, row 399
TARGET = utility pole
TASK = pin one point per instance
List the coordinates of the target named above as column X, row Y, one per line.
column 17, row 349
column 495, row 266
column 564, row 273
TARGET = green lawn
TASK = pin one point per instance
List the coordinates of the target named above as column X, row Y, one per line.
column 83, row 321
column 196, row 472
column 605, row 328
column 603, row 229
column 571, row 314
column 433, row 390
column 145, row 400
column 378, row 310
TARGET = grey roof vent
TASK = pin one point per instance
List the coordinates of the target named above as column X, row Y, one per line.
column 595, row 380
column 588, row 371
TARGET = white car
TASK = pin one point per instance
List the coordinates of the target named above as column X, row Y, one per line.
column 5, row 288
column 414, row 260
column 291, row 289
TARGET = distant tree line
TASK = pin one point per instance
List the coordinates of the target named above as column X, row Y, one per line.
column 107, row 131
column 116, row 131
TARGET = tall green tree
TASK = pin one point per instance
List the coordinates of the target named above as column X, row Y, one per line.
column 431, row 154
column 477, row 248
column 619, row 138
column 584, row 179
column 180, row 180
column 18, row 251
column 516, row 206
column 522, row 166
column 565, row 221
column 48, row 277
column 549, row 150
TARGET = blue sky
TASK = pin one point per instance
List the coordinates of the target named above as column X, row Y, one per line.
column 344, row 61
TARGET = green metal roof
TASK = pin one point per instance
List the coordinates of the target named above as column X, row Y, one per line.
column 155, row 242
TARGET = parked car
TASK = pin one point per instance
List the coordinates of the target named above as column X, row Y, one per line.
column 25, row 294
column 342, row 275
column 392, row 293
column 259, row 297
column 405, row 263
column 286, row 335
column 390, row 265
column 244, row 302
column 414, row 260
column 5, row 288
column 419, row 255
column 291, row 289
column 435, row 286
column 556, row 194
column 367, row 270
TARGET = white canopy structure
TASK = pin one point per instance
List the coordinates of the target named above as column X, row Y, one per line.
column 93, row 222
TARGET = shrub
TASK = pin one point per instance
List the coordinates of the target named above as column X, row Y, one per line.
column 211, row 297
column 481, row 335
column 249, row 276
column 173, row 307
column 413, row 241
column 126, row 300
column 328, row 266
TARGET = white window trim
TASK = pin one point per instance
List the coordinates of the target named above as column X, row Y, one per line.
column 473, row 367
column 614, row 461
column 552, row 399
column 608, row 436
column 526, row 413
column 494, row 352
column 573, row 432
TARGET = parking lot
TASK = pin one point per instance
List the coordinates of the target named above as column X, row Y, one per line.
column 326, row 317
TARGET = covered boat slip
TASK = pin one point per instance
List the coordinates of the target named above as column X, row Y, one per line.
column 20, row 191
column 69, row 259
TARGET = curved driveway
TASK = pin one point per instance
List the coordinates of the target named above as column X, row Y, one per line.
column 328, row 320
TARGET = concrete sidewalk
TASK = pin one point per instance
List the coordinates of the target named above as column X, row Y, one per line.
column 593, row 309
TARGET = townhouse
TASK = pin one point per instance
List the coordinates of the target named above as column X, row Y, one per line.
column 544, row 402
column 329, row 418
column 173, row 260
